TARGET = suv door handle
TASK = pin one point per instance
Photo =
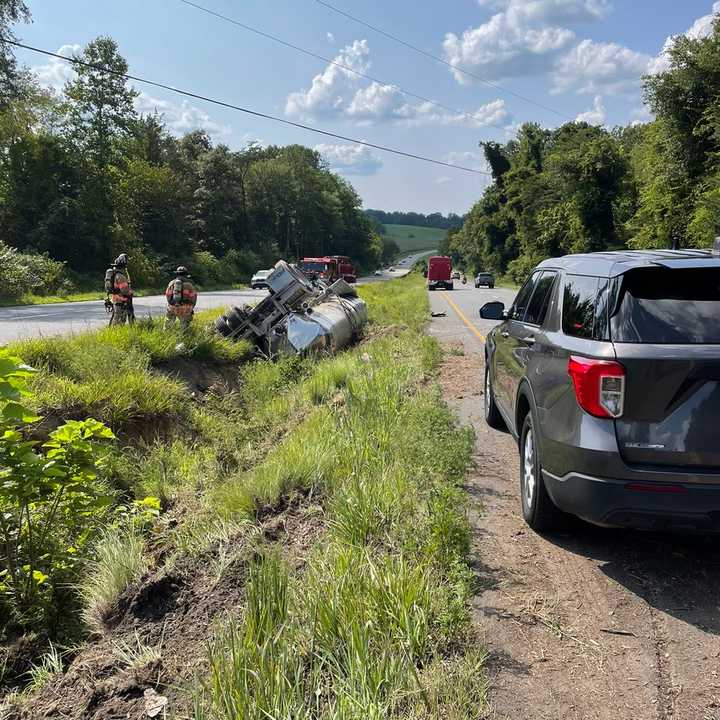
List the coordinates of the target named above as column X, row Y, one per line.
column 529, row 340
column 505, row 334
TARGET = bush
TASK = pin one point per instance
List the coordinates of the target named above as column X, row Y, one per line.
column 50, row 502
column 22, row 273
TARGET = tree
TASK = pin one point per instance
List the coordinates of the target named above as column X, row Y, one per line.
column 101, row 102
column 11, row 81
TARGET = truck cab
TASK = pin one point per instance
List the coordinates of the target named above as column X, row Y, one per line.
column 345, row 268
column 439, row 273
column 322, row 268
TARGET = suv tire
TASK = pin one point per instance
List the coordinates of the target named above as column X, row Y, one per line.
column 492, row 415
column 539, row 511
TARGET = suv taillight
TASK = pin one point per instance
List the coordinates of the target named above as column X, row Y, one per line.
column 599, row 385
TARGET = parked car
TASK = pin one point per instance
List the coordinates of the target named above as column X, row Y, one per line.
column 378, row 272
column 485, row 278
column 439, row 273
column 455, row 275
column 259, row 279
column 606, row 370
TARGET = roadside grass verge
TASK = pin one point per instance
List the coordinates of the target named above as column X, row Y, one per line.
column 370, row 620
column 91, row 295
column 113, row 373
column 376, row 621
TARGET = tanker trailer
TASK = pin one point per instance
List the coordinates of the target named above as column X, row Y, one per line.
column 299, row 315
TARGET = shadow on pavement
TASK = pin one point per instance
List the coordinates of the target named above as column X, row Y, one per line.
column 677, row 574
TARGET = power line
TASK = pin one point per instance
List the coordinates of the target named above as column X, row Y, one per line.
column 239, row 108
column 342, row 66
column 437, row 58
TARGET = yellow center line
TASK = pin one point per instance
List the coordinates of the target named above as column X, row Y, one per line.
column 461, row 315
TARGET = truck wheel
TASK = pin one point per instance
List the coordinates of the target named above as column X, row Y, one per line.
column 431, row 288
column 452, row 287
column 491, row 286
column 539, row 511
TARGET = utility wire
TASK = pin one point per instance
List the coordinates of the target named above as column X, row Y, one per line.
column 437, row 58
column 248, row 111
column 472, row 116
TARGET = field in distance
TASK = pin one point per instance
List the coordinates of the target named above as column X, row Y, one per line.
column 410, row 238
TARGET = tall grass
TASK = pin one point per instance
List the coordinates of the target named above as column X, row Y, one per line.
column 119, row 561
column 380, row 609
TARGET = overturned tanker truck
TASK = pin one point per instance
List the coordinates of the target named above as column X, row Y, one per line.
column 300, row 315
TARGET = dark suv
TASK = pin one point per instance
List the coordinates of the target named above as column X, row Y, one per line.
column 606, row 370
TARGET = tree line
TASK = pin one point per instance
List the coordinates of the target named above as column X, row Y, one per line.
column 84, row 176
column 433, row 220
column 582, row 188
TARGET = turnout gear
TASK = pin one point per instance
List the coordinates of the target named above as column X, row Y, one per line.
column 181, row 299
column 119, row 291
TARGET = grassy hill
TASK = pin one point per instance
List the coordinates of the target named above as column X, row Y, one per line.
column 414, row 239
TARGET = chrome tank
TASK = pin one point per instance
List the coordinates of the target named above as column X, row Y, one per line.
column 299, row 315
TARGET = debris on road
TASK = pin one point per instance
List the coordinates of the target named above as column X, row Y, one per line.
column 300, row 315
column 442, row 313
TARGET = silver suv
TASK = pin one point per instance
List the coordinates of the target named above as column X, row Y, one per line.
column 606, row 370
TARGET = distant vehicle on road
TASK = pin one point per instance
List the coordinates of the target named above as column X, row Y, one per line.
column 325, row 268
column 259, row 279
column 439, row 273
column 485, row 278
column 455, row 275
column 346, row 270
column 378, row 272
column 391, row 269
column 606, row 370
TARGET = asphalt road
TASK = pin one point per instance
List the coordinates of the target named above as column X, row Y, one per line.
column 74, row 317
column 462, row 323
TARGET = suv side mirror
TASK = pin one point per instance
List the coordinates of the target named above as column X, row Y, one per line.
column 493, row 311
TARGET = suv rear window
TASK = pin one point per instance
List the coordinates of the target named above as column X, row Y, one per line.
column 674, row 307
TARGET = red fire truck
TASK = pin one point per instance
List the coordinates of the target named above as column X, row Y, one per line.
column 329, row 268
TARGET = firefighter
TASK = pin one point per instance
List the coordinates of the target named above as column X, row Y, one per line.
column 119, row 291
column 181, row 299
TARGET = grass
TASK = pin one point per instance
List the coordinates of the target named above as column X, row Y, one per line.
column 411, row 239
column 374, row 622
column 119, row 561
column 90, row 295
column 111, row 374
column 377, row 620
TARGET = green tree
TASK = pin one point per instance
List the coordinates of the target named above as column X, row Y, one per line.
column 11, row 81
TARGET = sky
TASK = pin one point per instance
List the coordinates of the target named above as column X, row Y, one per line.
column 506, row 62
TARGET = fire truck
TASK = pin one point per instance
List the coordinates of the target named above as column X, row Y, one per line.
column 330, row 268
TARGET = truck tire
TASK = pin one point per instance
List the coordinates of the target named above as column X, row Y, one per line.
column 491, row 286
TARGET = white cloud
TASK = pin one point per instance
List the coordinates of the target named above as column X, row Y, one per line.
column 552, row 11
column 55, row 73
column 183, row 117
column 330, row 38
column 599, row 67
column 596, row 116
column 350, row 159
column 337, row 93
column 640, row 115
column 443, row 180
column 504, row 46
column 474, row 160
column 701, row 28
column 329, row 90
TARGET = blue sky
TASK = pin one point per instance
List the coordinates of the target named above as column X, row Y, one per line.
column 581, row 58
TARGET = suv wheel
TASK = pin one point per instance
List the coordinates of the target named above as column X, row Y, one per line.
column 492, row 414
column 539, row 511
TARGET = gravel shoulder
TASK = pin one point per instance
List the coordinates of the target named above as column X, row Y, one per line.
column 590, row 624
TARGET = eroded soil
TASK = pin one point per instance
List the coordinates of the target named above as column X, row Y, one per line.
column 592, row 624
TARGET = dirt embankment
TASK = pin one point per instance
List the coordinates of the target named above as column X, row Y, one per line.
column 592, row 624
column 174, row 613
